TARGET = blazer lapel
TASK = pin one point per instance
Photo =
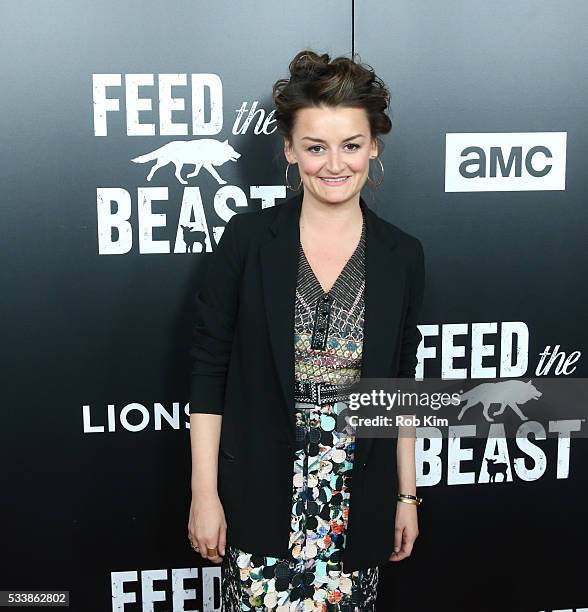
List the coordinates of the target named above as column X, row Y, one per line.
column 279, row 267
column 384, row 293
column 383, row 288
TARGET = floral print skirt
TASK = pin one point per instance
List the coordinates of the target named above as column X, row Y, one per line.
column 311, row 578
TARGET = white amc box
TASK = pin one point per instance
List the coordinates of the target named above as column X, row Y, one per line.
column 508, row 161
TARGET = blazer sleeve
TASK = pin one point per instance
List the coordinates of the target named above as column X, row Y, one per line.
column 411, row 336
column 216, row 306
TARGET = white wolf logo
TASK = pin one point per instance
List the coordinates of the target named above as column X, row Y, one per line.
column 508, row 393
column 205, row 152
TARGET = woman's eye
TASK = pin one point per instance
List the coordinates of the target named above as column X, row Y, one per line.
column 314, row 148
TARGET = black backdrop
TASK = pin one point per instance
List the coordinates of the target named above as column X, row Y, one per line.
column 98, row 286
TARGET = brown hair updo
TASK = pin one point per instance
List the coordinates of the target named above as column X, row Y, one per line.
column 317, row 80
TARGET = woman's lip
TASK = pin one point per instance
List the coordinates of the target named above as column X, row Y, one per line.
column 334, row 182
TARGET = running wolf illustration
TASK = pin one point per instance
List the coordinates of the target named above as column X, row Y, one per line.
column 205, row 152
column 507, row 393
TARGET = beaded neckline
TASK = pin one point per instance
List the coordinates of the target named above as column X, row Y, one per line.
column 346, row 285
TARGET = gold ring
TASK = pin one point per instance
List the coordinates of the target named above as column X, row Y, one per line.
column 192, row 544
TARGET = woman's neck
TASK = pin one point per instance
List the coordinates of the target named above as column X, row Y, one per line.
column 331, row 217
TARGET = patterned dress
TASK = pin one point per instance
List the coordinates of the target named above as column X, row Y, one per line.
column 328, row 339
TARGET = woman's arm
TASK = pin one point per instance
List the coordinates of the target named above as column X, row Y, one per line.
column 204, row 441
column 216, row 306
column 406, row 522
column 411, row 338
column 405, row 456
column 207, row 526
column 406, row 528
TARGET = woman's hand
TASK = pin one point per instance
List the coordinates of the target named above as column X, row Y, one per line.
column 207, row 527
column 405, row 532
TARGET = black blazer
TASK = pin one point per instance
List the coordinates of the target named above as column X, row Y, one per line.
column 243, row 368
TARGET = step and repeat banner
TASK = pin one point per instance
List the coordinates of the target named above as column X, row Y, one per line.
column 132, row 132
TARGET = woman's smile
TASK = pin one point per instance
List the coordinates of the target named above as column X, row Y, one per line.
column 335, row 181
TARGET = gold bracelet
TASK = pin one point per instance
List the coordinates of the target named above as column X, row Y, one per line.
column 410, row 499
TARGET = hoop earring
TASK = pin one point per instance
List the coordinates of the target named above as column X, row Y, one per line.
column 381, row 179
column 287, row 183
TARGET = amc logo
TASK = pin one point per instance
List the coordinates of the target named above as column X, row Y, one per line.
column 510, row 161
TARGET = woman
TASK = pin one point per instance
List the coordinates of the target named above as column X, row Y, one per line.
column 302, row 299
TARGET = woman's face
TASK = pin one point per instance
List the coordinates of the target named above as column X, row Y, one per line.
column 332, row 142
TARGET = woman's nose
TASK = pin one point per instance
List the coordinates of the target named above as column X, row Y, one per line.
column 334, row 163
